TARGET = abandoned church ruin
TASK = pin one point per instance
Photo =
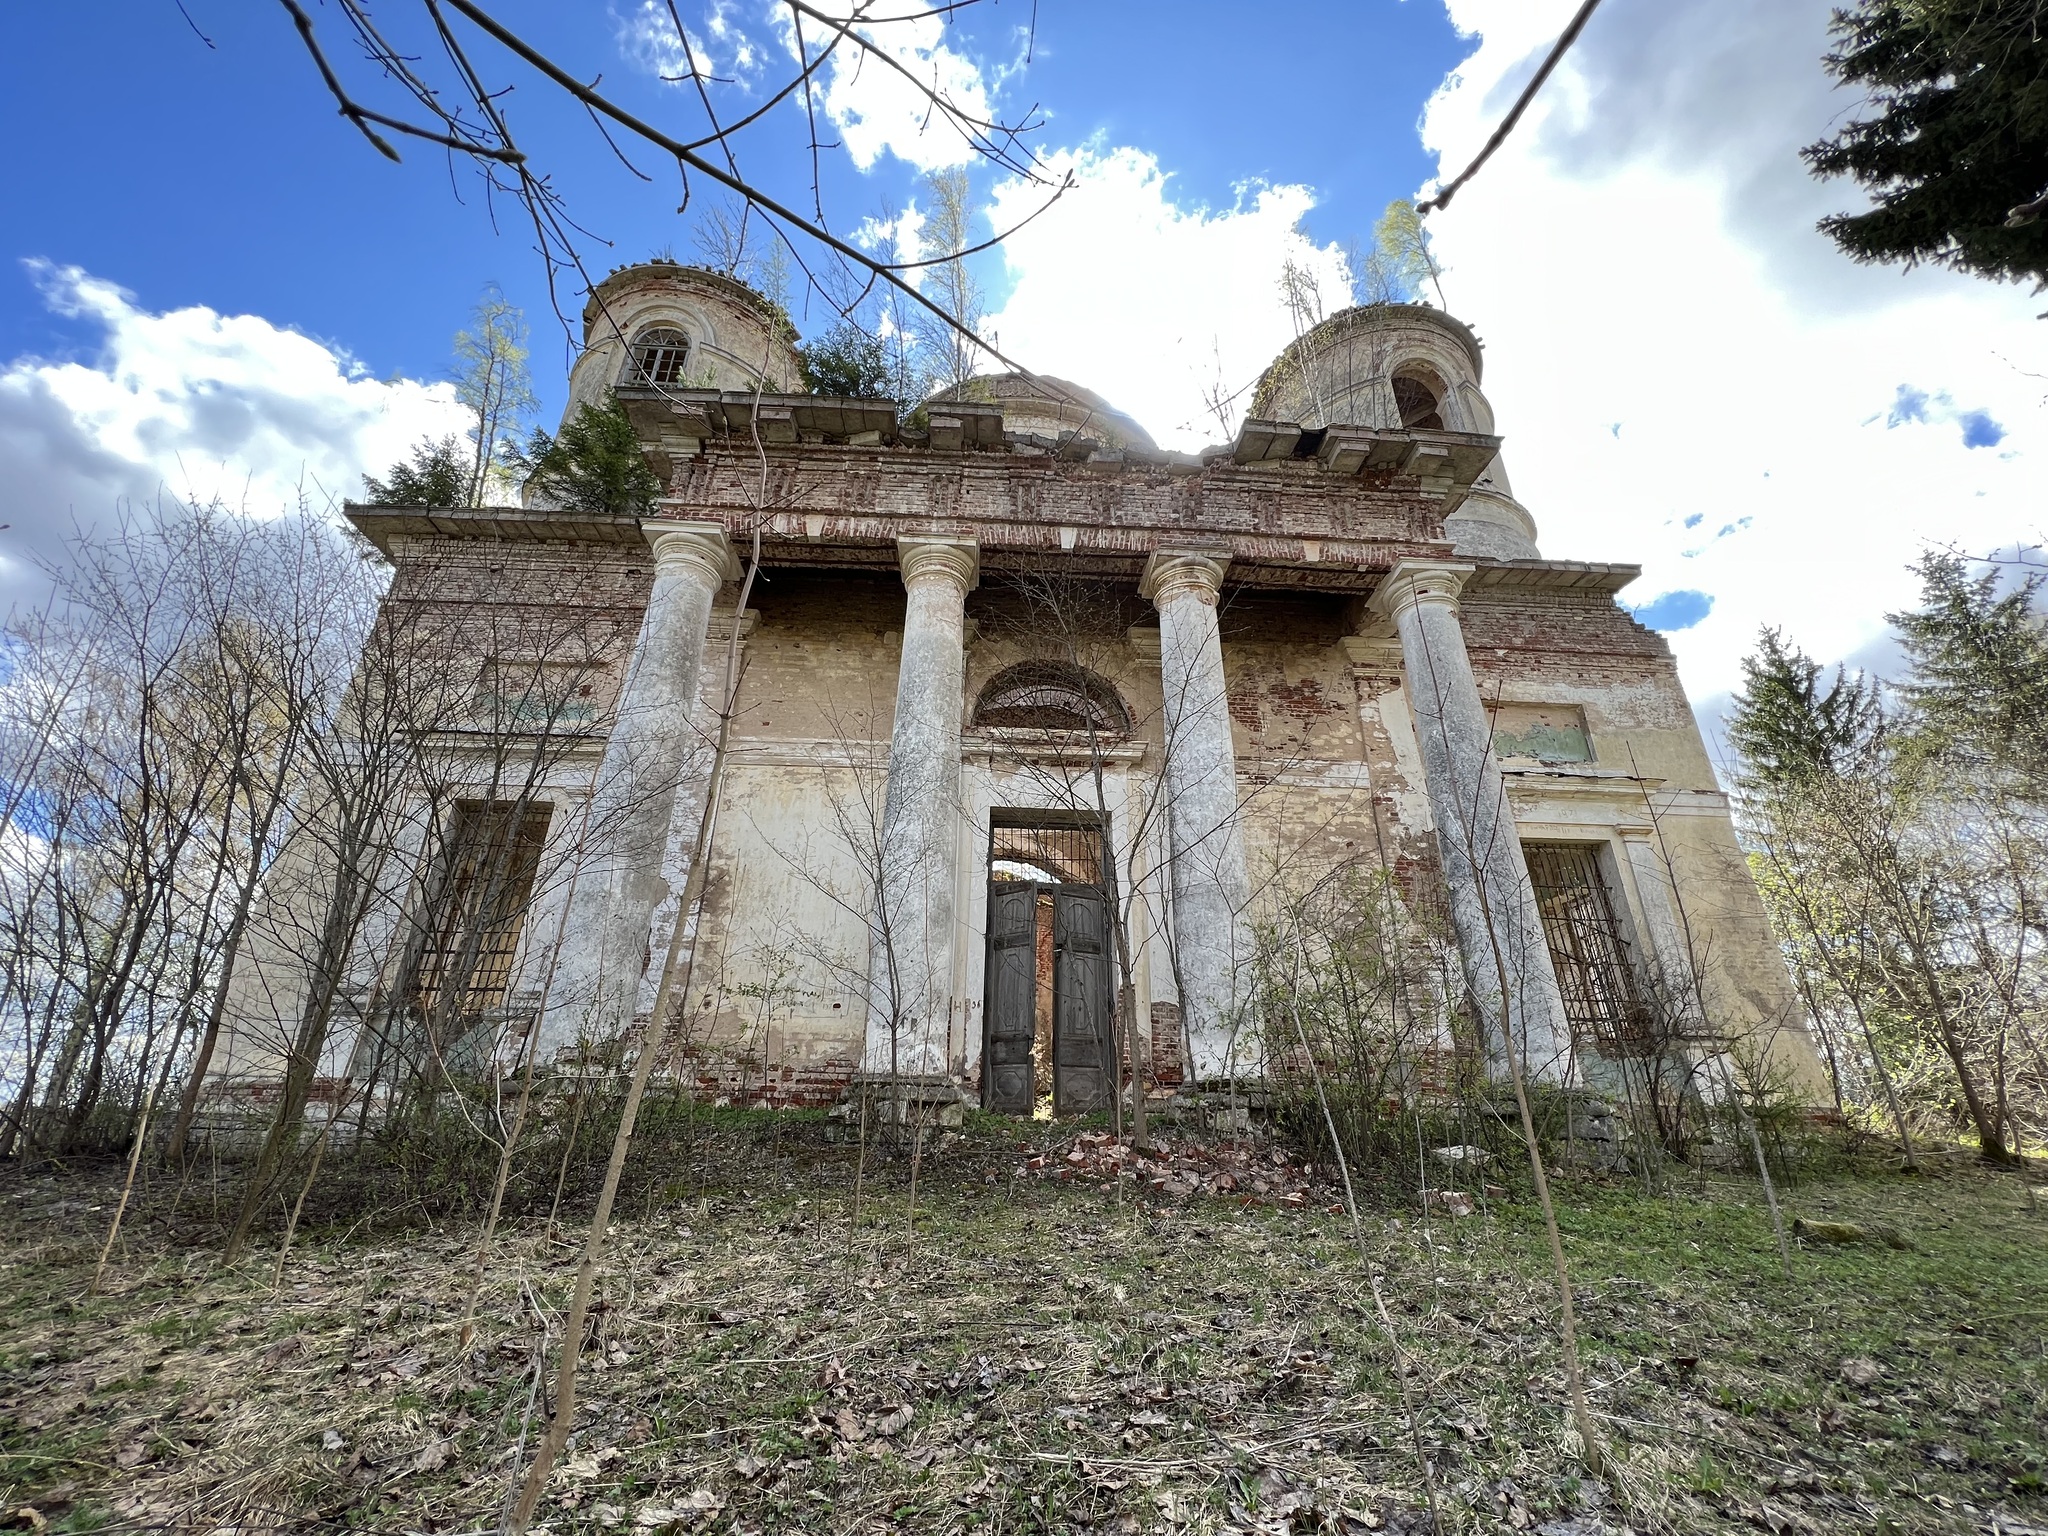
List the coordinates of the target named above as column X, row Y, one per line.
column 1032, row 726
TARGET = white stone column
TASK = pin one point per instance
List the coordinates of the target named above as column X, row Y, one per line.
column 910, row 938
column 1493, row 907
column 1211, row 939
column 669, row 949
column 619, row 881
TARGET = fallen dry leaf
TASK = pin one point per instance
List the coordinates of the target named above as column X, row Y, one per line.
column 433, row 1456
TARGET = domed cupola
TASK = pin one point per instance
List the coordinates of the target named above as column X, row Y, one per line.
column 1050, row 408
column 667, row 325
column 1394, row 366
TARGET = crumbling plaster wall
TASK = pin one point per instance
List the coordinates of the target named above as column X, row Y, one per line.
column 787, row 889
column 778, row 980
column 1650, row 770
column 1304, row 778
column 520, row 603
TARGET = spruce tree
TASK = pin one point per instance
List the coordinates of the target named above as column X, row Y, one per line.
column 1979, row 685
column 595, row 464
column 438, row 476
column 1956, row 141
column 1787, row 727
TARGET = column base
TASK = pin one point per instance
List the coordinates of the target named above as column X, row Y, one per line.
column 1222, row 1104
column 896, row 1108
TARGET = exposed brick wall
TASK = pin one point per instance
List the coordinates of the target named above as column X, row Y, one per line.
column 1579, row 623
column 524, row 601
column 745, row 1080
column 1169, row 1070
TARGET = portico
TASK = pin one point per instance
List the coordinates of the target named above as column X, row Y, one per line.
column 1328, row 650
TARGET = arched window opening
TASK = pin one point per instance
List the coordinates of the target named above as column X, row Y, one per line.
column 1051, row 696
column 659, row 356
column 1417, row 403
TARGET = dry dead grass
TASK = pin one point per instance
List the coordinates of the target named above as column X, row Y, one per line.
column 1037, row 1356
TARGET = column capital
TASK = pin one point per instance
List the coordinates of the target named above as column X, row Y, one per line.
column 954, row 561
column 699, row 549
column 1413, row 582
column 1195, row 571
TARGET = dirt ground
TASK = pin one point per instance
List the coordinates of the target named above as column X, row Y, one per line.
column 1043, row 1348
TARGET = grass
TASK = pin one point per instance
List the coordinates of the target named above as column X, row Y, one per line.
column 1038, row 1357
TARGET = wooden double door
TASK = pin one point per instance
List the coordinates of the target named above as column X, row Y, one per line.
column 1047, row 1007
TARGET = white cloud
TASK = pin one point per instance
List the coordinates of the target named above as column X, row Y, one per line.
column 1122, row 289
column 879, row 110
column 899, row 239
column 1687, row 374
column 647, row 36
column 190, row 403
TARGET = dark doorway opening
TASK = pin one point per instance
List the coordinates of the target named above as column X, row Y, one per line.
column 1048, row 998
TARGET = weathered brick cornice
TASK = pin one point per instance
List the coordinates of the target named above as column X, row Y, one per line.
column 1287, row 521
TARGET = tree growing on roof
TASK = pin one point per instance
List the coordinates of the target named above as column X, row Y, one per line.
column 594, row 465
column 436, row 477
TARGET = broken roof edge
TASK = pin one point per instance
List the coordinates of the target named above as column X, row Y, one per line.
column 1582, row 575
column 380, row 524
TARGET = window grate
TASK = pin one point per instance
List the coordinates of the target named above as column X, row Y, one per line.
column 1591, row 957
column 1067, row 852
column 494, row 852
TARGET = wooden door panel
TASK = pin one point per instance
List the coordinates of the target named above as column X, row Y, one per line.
column 1010, row 998
column 1082, row 1075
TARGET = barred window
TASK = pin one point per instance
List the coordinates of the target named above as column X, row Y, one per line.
column 472, row 926
column 659, row 356
column 1586, row 948
column 1045, row 848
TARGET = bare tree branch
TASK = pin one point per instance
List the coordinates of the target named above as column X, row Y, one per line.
column 1507, row 124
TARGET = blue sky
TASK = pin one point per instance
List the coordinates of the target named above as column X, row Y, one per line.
column 208, row 282
column 223, row 177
